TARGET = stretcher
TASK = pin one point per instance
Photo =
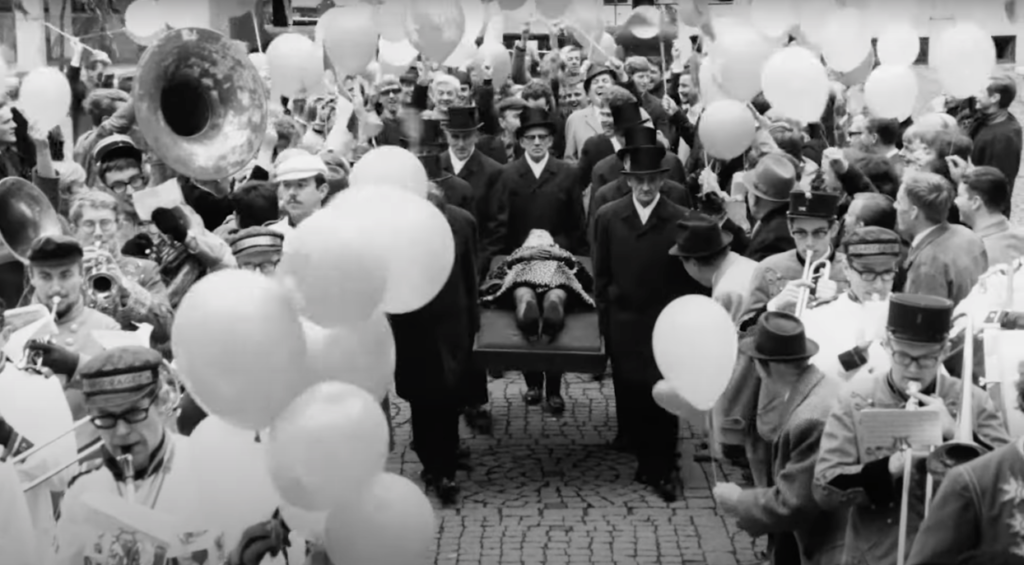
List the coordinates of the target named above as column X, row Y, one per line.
column 500, row 346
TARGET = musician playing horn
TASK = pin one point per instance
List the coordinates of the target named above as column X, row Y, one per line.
column 851, row 327
column 917, row 338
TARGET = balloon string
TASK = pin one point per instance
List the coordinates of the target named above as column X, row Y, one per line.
column 711, row 449
column 256, row 28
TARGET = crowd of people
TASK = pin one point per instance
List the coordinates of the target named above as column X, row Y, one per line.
column 606, row 159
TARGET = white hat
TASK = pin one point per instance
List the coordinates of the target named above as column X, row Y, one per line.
column 299, row 167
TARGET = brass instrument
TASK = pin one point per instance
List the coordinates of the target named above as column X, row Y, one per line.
column 127, row 465
column 32, row 360
column 25, row 215
column 102, row 289
column 908, row 469
column 813, row 271
column 87, row 453
column 200, row 104
column 962, row 447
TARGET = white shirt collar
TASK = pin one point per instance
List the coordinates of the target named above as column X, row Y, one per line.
column 892, row 153
column 457, row 163
column 615, row 143
column 645, row 213
column 537, row 168
column 919, row 237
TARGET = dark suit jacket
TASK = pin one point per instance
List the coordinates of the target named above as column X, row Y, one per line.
column 433, row 344
column 494, row 147
column 595, row 148
column 770, row 236
column 946, row 263
column 618, row 188
column 457, row 192
column 487, row 206
column 550, row 203
column 635, row 277
column 610, row 168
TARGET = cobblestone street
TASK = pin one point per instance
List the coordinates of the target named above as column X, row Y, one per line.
column 547, row 490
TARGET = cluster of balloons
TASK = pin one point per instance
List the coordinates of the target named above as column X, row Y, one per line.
column 146, row 20
column 304, row 358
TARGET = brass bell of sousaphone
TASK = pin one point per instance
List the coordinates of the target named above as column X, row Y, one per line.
column 200, row 104
column 25, row 215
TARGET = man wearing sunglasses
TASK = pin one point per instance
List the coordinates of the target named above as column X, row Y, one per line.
column 873, row 256
column 389, row 94
column 916, row 340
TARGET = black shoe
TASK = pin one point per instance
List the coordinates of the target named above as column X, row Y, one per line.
column 533, row 396
column 556, row 404
column 479, row 419
column 622, row 444
column 427, row 478
column 668, row 488
column 462, row 453
column 528, row 319
column 447, row 491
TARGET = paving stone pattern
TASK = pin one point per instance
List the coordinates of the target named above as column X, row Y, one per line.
column 548, row 490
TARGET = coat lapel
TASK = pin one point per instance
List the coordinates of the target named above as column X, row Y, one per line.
column 810, row 379
column 594, row 121
column 928, row 239
column 470, row 167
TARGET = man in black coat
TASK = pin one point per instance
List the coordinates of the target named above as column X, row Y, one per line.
column 457, row 192
column 635, row 278
column 433, row 345
column 610, row 168
column 541, row 194
column 768, row 188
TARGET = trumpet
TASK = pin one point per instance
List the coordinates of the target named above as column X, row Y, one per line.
column 32, row 360
column 102, row 287
column 813, row 271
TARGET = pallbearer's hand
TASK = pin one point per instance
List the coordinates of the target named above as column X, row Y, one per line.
column 726, row 495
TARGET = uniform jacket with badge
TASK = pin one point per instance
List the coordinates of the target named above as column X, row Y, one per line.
column 838, row 326
column 635, row 277
column 788, row 507
column 433, row 344
column 488, row 207
column 843, row 480
column 549, row 203
column 945, row 263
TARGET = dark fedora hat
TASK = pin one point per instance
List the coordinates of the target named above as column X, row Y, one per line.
column 595, row 71
column 645, row 160
column 462, row 118
column 535, row 118
column 699, row 236
column 779, row 337
column 637, row 136
column 627, row 115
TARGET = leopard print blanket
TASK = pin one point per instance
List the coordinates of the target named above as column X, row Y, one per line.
column 542, row 269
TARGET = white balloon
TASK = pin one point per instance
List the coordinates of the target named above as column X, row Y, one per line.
column 292, row 59
column 898, row 45
column 411, row 232
column 774, row 17
column 796, row 84
column 645, row 22
column 891, row 92
column 45, row 97
column 144, row 18
column 739, row 52
column 964, row 57
column 847, row 40
column 814, row 18
column 462, row 56
column 186, row 13
column 393, row 166
column 474, row 12
column 359, row 354
column 396, row 54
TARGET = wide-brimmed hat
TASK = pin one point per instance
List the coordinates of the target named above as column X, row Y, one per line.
column 773, row 178
column 595, row 71
column 779, row 337
column 699, row 236
column 645, row 160
column 638, row 136
column 462, row 119
column 534, row 118
column 627, row 115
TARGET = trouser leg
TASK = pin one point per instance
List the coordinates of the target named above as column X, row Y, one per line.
column 622, row 397
column 656, row 435
column 435, row 426
column 552, row 384
column 534, row 379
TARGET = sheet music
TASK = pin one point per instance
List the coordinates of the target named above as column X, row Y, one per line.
column 28, row 323
column 884, row 431
column 109, row 339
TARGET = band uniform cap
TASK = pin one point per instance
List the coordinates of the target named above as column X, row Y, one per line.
column 626, row 115
column 535, row 118
column 920, row 318
column 773, row 178
column 300, row 167
column 595, row 71
column 120, row 376
column 699, row 236
column 779, row 336
column 55, row 251
column 116, row 146
column 256, row 238
column 873, row 244
column 645, row 160
column 823, row 205
column 638, row 136
column 462, row 118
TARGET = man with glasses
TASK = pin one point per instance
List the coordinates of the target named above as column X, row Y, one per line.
column 916, row 340
column 389, row 91
column 258, row 249
column 120, row 166
column 873, row 256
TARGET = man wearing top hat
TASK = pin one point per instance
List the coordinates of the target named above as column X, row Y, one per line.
column 624, row 112
column 610, row 168
column 429, row 148
column 801, row 531
column 850, row 327
column 917, row 338
column 634, row 279
column 768, row 186
column 540, row 193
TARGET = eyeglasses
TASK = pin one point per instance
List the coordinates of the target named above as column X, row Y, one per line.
column 872, row 276
column 924, row 361
column 266, row 267
column 816, row 234
column 537, row 138
column 391, row 92
column 137, row 182
column 136, row 415
column 105, row 225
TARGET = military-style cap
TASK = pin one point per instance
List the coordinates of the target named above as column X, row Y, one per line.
column 55, row 251
column 920, row 318
column 120, row 376
column 813, row 204
column 116, row 146
column 256, row 238
column 873, row 244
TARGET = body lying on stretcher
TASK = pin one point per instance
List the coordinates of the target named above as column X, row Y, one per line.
column 539, row 314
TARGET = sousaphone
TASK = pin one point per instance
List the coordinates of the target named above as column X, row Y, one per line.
column 25, row 215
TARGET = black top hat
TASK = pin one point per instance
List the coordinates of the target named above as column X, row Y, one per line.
column 638, row 136
column 432, row 164
column 822, row 205
column 594, row 72
column 534, row 118
column 645, row 160
column 919, row 318
column 779, row 337
column 699, row 236
column 626, row 115
column 432, row 134
column 462, row 118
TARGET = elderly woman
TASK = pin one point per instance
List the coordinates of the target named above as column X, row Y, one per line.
column 540, row 280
